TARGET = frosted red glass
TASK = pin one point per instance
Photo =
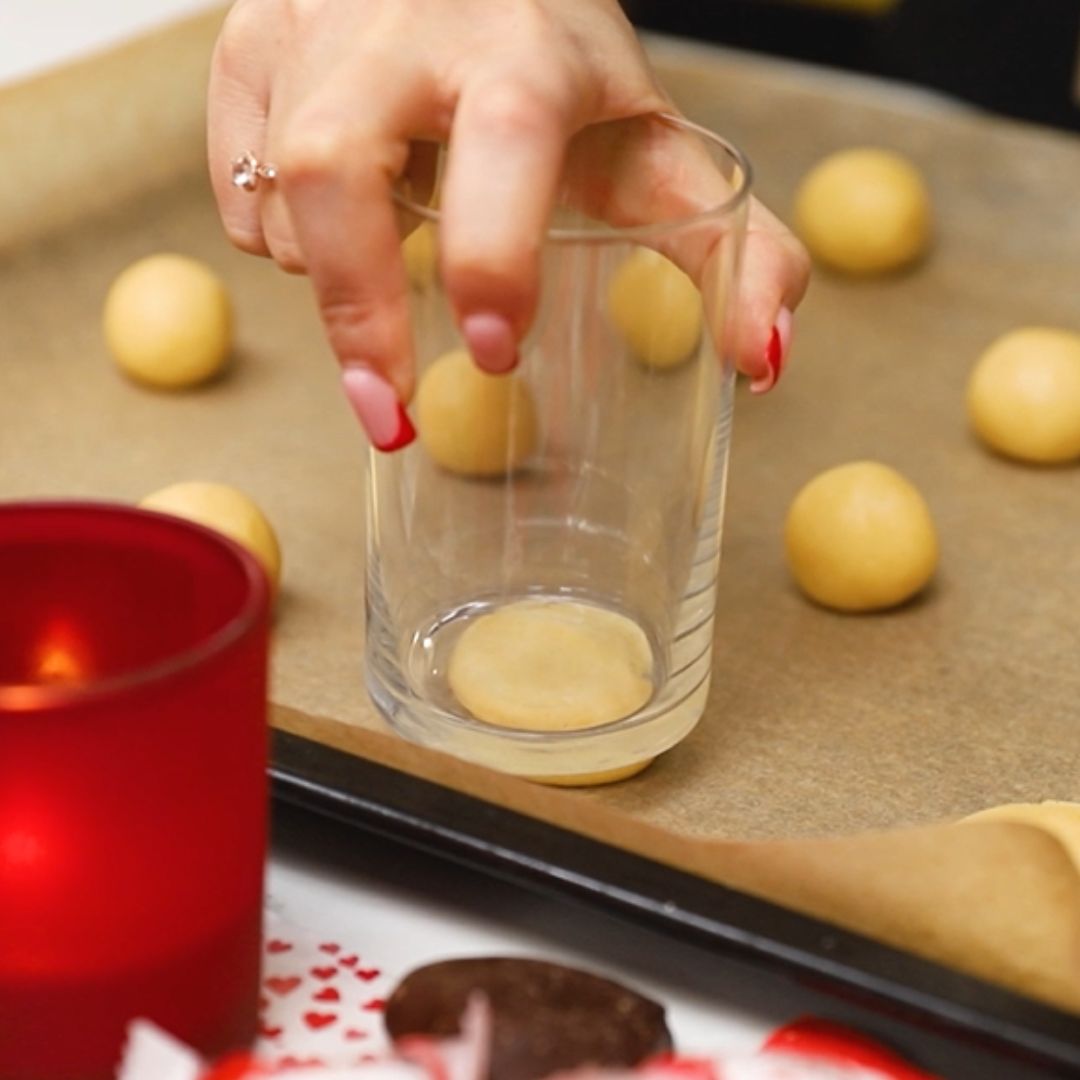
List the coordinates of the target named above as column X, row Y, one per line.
column 133, row 794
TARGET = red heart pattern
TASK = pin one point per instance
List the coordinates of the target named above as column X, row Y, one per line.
column 283, row 985
column 303, row 1001
column 316, row 1020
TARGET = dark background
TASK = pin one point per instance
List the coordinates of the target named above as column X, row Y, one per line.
column 1014, row 57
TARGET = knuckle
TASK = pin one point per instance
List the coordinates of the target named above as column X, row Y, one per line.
column 299, row 13
column 320, row 145
column 533, row 24
column 308, row 150
column 516, row 108
column 345, row 312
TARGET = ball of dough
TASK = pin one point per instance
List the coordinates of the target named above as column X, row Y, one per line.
column 227, row 510
column 420, row 253
column 541, row 665
column 864, row 211
column 859, row 537
column 471, row 422
column 656, row 308
column 1023, row 396
column 168, row 321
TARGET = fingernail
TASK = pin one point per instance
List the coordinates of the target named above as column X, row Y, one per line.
column 378, row 409
column 490, row 339
column 776, row 354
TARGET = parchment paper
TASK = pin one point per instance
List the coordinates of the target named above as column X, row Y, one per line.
column 821, row 730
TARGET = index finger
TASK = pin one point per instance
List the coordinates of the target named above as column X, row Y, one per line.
column 336, row 171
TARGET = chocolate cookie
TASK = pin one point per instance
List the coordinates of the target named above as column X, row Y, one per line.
column 546, row 1017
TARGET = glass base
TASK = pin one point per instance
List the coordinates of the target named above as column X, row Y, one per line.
column 417, row 700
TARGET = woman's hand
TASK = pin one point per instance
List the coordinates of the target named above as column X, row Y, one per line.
column 339, row 94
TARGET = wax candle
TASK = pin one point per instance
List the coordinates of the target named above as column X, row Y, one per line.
column 133, row 651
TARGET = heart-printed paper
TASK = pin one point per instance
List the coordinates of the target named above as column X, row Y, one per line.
column 322, row 1000
column 322, row 1003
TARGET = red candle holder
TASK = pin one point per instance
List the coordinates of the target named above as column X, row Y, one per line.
column 133, row 797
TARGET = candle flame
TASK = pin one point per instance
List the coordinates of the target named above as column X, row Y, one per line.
column 62, row 657
column 58, row 665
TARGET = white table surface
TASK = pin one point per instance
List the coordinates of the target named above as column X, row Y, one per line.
column 401, row 908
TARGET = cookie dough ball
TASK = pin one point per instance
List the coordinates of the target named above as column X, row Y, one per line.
column 168, row 321
column 864, row 211
column 541, row 665
column 471, row 422
column 227, row 510
column 656, row 308
column 859, row 537
column 421, row 255
column 1023, row 396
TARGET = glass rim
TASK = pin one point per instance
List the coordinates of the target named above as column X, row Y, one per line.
column 603, row 232
column 253, row 606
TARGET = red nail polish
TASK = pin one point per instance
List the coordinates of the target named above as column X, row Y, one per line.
column 775, row 353
column 377, row 407
column 774, row 358
column 405, row 433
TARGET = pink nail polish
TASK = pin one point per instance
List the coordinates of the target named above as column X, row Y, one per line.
column 491, row 341
column 378, row 409
column 776, row 353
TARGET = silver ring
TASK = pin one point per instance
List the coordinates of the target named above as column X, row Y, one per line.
column 247, row 171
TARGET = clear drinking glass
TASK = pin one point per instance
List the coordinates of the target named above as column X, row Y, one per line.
column 597, row 485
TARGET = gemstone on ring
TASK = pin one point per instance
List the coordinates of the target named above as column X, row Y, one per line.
column 247, row 172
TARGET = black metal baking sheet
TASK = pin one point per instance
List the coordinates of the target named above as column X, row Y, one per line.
column 914, row 1003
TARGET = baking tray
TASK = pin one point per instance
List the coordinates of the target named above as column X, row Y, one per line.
column 826, row 691
column 923, row 1009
